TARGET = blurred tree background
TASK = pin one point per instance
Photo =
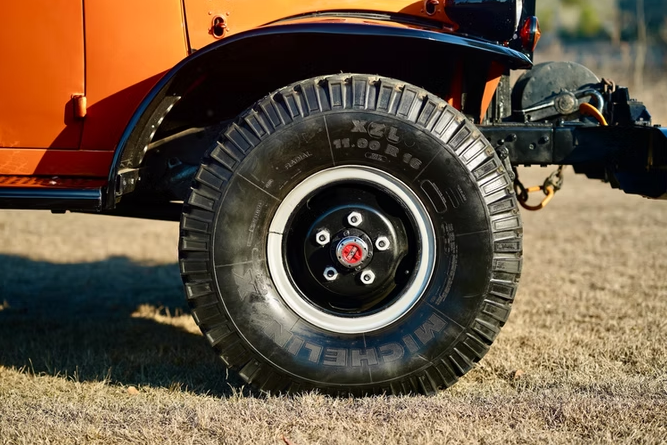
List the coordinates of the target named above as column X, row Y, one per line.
column 625, row 40
column 612, row 20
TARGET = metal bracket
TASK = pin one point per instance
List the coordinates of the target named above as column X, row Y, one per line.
column 126, row 181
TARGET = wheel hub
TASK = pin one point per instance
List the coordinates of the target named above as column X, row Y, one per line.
column 352, row 252
column 377, row 260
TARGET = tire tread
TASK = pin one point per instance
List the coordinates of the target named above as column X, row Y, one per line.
column 352, row 92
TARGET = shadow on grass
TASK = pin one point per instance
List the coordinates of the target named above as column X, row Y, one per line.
column 75, row 320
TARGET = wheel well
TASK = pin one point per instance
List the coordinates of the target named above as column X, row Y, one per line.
column 228, row 83
column 217, row 85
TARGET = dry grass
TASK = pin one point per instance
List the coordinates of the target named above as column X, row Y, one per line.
column 92, row 306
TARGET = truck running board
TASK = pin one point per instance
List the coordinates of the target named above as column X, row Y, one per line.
column 56, row 194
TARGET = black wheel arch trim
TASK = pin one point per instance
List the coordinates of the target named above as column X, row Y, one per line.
column 157, row 104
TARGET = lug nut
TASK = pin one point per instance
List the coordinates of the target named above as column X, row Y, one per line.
column 330, row 273
column 323, row 237
column 367, row 277
column 382, row 243
column 354, row 219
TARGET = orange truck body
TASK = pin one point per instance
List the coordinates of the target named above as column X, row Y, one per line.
column 75, row 71
column 108, row 53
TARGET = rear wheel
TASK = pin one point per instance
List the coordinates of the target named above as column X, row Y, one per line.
column 352, row 234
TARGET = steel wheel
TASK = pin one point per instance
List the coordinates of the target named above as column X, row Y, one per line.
column 372, row 270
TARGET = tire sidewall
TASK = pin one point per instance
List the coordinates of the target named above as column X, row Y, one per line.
column 432, row 170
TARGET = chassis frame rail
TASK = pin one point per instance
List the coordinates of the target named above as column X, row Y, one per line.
column 632, row 158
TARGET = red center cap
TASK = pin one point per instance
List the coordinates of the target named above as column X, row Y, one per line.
column 352, row 253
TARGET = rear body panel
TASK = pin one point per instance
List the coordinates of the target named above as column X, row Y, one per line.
column 120, row 47
column 42, row 47
column 129, row 45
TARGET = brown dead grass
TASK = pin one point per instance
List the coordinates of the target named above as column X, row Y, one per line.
column 92, row 306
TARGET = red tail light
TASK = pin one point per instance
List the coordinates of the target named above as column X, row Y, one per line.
column 530, row 34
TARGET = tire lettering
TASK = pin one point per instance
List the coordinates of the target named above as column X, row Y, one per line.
column 392, row 151
column 435, row 196
column 295, row 346
column 341, row 143
column 376, row 130
column 335, row 357
column 410, row 343
column 369, row 356
column 393, row 135
column 253, row 223
column 462, row 194
column 251, row 280
column 434, row 325
column 376, row 157
column 359, row 126
column 300, row 157
column 275, row 332
column 314, row 352
column 412, row 161
column 245, row 284
column 391, row 352
column 452, row 250
column 356, row 358
column 453, row 199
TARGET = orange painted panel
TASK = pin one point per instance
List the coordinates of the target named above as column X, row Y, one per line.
column 129, row 45
column 41, row 42
column 51, row 182
column 50, row 162
column 240, row 15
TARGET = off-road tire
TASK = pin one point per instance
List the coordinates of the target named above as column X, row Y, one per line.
column 373, row 126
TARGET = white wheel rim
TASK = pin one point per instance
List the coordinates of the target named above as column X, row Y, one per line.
column 410, row 295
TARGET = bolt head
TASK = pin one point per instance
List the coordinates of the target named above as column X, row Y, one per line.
column 330, row 274
column 322, row 237
column 354, row 219
column 367, row 277
column 382, row 243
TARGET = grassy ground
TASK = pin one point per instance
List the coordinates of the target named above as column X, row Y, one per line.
column 96, row 347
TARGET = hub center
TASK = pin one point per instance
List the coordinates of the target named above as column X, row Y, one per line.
column 351, row 251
